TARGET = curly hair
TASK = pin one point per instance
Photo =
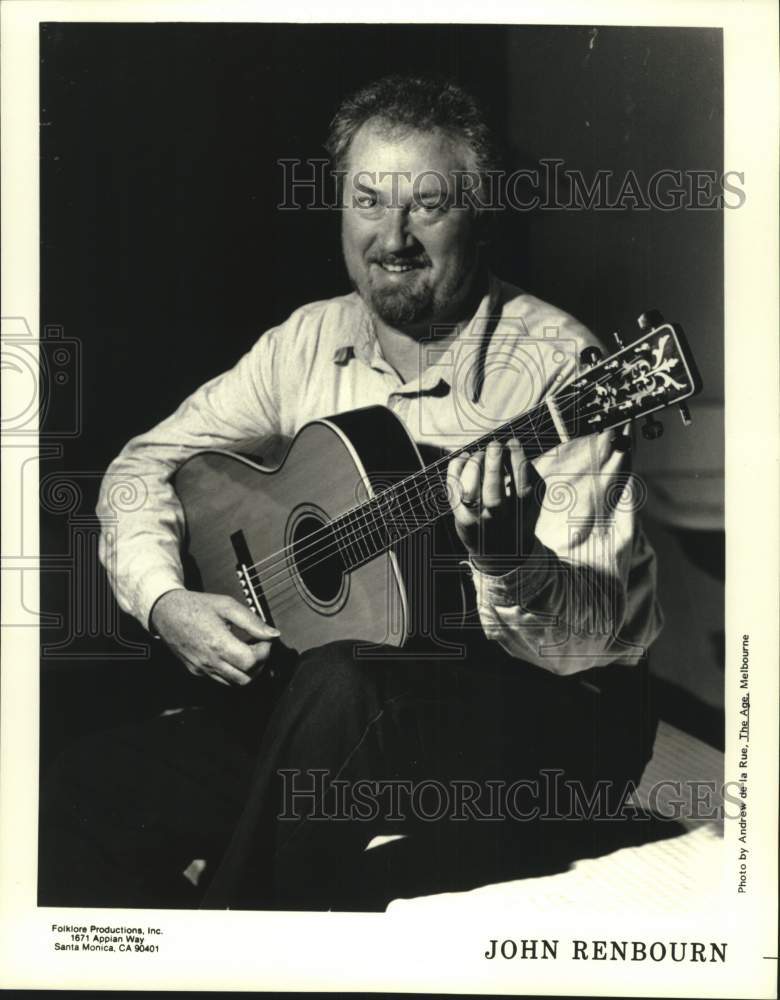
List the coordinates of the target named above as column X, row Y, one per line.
column 400, row 103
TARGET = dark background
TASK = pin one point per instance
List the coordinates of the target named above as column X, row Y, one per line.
column 163, row 256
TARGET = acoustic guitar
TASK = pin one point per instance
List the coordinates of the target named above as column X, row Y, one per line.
column 320, row 547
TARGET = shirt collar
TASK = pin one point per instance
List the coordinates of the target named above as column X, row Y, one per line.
column 362, row 343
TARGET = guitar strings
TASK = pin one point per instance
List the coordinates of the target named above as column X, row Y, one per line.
column 374, row 524
column 354, row 536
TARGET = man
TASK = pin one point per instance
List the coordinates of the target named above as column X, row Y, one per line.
column 562, row 574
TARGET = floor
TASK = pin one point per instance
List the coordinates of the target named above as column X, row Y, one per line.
column 674, row 872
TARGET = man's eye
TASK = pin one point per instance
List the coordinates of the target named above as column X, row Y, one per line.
column 365, row 201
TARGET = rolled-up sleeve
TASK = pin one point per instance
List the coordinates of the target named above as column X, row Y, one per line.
column 585, row 595
column 141, row 518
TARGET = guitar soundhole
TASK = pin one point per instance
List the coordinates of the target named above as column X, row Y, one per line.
column 318, row 564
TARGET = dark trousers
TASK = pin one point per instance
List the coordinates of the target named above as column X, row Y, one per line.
column 280, row 786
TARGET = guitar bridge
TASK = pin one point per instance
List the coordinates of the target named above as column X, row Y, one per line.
column 248, row 581
column 248, row 590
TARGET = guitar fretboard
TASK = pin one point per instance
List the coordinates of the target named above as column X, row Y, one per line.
column 418, row 500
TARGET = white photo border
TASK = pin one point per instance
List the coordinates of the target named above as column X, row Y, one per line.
column 380, row 952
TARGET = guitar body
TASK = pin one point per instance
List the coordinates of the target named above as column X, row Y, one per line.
column 259, row 535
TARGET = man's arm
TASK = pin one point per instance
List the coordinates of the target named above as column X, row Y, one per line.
column 577, row 590
column 140, row 541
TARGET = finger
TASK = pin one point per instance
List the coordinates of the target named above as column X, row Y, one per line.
column 521, row 474
column 199, row 671
column 226, row 672
column 493, row 491
column 238, row 654
column 471, row 481
column 238, row 614
column 454, row 490
column 260, row 652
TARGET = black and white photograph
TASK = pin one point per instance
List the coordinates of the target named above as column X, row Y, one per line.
column 376, row 527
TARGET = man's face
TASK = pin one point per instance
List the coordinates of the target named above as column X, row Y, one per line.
column 410, row 254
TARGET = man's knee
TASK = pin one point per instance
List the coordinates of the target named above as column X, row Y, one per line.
column 338, row 670
column 334, row 692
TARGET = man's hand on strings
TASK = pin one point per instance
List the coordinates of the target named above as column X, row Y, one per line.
column 492, row 498
column 197, row 629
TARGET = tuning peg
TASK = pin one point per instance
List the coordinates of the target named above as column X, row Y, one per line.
column 685, row 415
column 590, row 356
column 652, row 429
column 618, row 340
column 650, row 320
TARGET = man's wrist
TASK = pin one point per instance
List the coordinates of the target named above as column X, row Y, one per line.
column 495, row 565
column 498, row 564
column 152, row 628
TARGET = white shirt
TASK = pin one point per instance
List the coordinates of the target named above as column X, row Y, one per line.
column 585, row 596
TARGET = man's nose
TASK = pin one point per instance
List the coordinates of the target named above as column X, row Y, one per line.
column 396, row 235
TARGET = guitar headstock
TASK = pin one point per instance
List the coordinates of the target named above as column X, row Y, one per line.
column 655, row 371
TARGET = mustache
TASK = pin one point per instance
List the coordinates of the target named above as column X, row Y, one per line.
column 419, row 258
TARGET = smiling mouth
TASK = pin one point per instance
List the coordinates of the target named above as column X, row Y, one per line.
column 399, row 268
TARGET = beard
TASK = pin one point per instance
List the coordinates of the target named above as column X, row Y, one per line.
column 405, row 305
column 417, row 299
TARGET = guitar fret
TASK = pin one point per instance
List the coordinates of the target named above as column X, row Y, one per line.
column 392, row 527
column 375, row 527
column 526, row 429
column 368, row 530
column 400, row 515
column 419, row 499
column 352, row 533
column 378, row 507
column 344, row 543
column 360, row 542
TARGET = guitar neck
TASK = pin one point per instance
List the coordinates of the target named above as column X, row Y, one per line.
column 650, row 374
